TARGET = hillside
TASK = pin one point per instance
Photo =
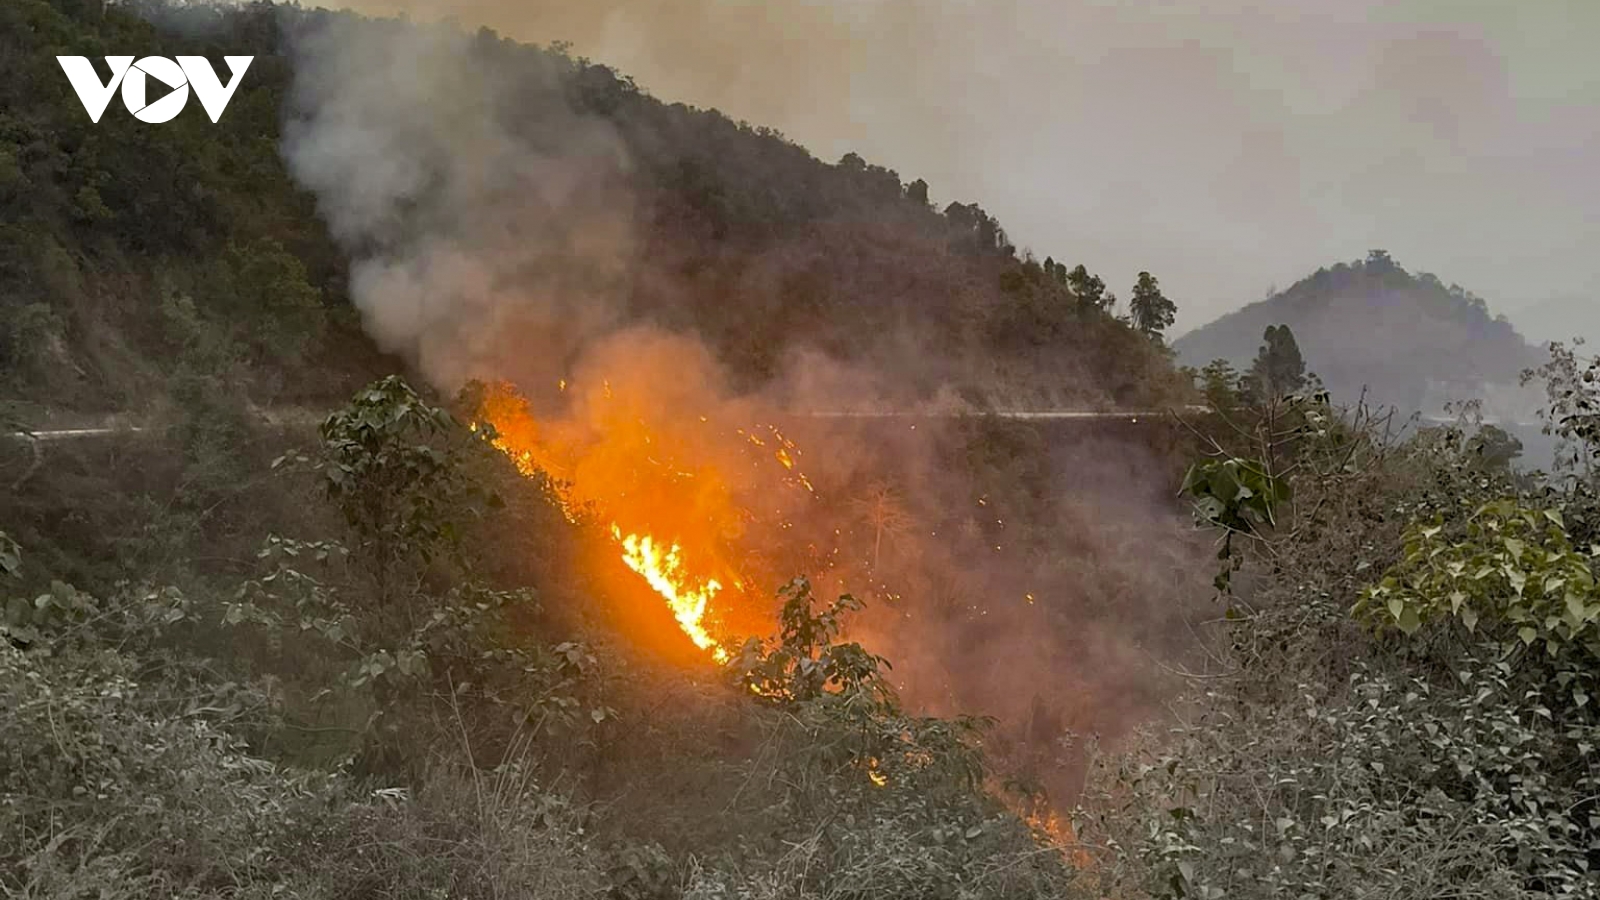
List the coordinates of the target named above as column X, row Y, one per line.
column 1409, row 339
column 395, row 656
column 555, row 571
column 132, row 254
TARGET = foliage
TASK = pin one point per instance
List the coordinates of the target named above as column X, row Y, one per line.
column 842, row 686
column 107, row 790
column 888, row 802
column 389, row 463
column 100, row 224
column 1235, row 494
column 805, row 663
column 1239, row 496
column 1279, row 370
column 405, row 499
column 1572, row 411
column 1152, row 312
column 1090, row 290
column 1414, row 789
column 1514, row 574
column 1448, row 752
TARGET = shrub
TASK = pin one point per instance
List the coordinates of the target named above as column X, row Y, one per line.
column 1414, row 789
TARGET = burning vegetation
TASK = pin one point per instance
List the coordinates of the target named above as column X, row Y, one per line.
column 674, row 494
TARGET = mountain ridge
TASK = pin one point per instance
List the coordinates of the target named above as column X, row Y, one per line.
column 1369, row 327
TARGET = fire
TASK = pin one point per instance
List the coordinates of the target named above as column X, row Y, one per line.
column 663, row 569
column 674, row 492
column 658, row 480
column 1059, row 833
column 874, row 775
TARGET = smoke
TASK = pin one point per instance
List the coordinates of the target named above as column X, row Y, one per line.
column 482, row 247
column 495, row 234
column 1222, row 144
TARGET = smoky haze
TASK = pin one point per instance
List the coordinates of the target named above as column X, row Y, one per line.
column 492, row 235
column 1226, row 145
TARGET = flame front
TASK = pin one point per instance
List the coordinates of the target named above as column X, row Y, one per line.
column 663, row 570
column 660, row 481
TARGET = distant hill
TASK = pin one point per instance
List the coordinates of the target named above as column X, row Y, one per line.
column 1561, row 319
column 1409, row 339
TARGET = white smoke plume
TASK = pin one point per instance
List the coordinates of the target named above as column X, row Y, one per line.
column 477, row 246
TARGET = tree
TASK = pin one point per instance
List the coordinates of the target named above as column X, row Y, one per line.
column 1380, row 261
column 1153, row 313
column 1090, row 290
column 1056, row 271
column 1495, row 447
column 1219, row 383
column 917, row 192
column 394, row 465
column 1279, row 369
column 981, row 230
column 884, row 512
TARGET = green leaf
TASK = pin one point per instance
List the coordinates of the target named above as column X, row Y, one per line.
column 1576, row 611
column 1410, row 621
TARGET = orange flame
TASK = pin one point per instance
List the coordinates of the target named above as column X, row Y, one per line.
column 656, row 478
column 874, row 775
column 1059, row 833
column 663, row 570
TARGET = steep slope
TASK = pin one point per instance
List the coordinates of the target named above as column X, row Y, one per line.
column 1408, row 339
column 133, row 254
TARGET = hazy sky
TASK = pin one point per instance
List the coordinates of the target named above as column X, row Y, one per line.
column 1225, row 145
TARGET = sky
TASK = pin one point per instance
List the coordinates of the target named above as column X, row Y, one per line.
column 1227, row 146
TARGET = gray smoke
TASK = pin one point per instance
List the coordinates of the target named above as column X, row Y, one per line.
column 492, row 234
column 478, row 250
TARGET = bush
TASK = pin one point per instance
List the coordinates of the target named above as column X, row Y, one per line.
column 1415, row 789
column 111, row 787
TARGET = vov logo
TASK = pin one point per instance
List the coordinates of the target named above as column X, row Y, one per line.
column 134, row 77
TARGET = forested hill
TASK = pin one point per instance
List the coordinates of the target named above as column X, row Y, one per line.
column 132, row 255
column 1409, row 339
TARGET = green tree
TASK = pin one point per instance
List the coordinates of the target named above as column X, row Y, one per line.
column 1090, row 290
column 1153, row 313
column 1219, row 383
column 394, row 465
column 1279, row 369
